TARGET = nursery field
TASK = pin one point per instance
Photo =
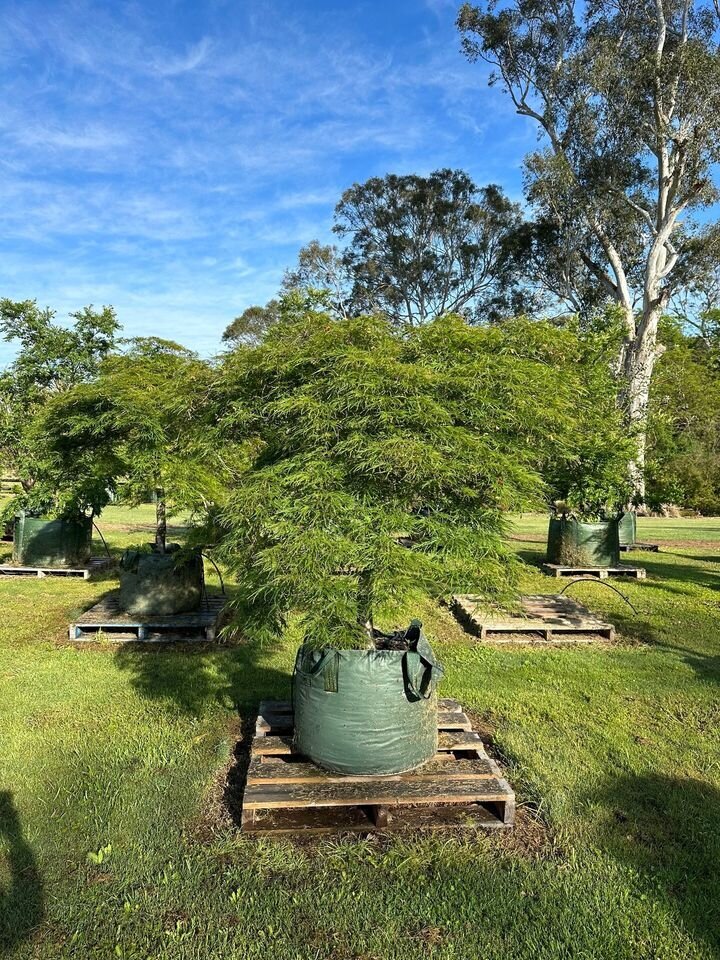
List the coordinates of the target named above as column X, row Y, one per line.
column 117, row 836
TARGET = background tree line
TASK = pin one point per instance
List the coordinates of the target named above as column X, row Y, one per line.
column 618, row 239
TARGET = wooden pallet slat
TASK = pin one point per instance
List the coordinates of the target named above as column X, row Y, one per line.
column 388, row 790
column 556, row 618
column 642, row 547
column 93, row 566
column 107, row 620
column 602, row 573
column 273, row 769
column 461, row 786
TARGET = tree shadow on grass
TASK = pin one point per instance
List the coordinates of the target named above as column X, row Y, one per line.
column 196, row 678
column 21, row 900
column 534, row 558
column 682, row 573
column 668, row 829
column 692, row 556
column 705, row 665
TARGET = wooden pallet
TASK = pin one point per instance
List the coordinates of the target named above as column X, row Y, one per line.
column 106, row 621
column 556, row 619
column 94, row 565
column 645, row 547
column 602, row 573
column 286, row 793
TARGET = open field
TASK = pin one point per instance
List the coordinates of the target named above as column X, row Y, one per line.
column 114, row 841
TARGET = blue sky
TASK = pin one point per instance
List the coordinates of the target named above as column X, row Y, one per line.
column 170, row 158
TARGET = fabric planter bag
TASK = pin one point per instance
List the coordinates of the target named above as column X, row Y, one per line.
column 572, row 543
column 367, row 712
column 39, row 542
column 160, row 583
column 628, row 529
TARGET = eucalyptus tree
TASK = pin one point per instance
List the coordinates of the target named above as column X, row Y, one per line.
column 421, row 247
column 627, row 100
column 412, row 248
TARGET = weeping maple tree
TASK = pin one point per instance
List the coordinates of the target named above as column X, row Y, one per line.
column 383, row 464
column 139, row 426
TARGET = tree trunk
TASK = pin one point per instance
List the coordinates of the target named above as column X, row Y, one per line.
column 160, row 521
column 637, row 364
column 365, row 597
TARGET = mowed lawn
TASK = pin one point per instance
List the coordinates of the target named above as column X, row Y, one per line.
column 114, row 842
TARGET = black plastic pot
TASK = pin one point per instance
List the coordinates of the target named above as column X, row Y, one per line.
column 160, row 583
column 572, row 543
column 40, row 542
column 367, row 712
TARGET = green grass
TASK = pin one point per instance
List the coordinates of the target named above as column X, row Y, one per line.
column 615, row 748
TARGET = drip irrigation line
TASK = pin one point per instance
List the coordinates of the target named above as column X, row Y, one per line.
column 217, row 570
column 107, row 551
column 602, row 583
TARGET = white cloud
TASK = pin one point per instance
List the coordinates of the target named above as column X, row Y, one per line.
column 172, row 66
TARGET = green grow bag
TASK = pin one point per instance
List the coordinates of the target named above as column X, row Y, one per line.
column 160, row 583
column 628, row 529
column 40, row 542
column 572, row 543
column 367, row 712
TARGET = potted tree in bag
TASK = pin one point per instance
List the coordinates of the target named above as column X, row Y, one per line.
column 365, row 440
column 589, row 483
column 141, row 423
column 48, row 528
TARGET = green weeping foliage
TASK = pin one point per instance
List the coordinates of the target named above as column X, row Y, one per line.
column 382, row 464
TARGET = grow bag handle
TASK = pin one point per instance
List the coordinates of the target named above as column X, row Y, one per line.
column 420, row 672
column 329, row 663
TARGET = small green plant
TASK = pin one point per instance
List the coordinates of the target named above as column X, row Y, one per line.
column 102, row 855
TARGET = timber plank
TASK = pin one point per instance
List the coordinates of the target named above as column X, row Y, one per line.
column 555, row 618
column 312, row 821
column 272, row 746
column 459, row 740
column 602, row 573
column 277, row 770
column 449, row 740
column 373, row 792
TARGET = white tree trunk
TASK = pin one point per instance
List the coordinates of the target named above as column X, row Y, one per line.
column 637, row 364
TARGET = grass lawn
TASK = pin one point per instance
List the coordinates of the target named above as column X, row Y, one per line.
column 108, row 759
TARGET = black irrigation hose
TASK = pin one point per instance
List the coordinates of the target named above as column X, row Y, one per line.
column 602, row 583
column 217, row 570
column 107, row 551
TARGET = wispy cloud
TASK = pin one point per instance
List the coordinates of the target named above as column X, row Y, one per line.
column 171, row 157
column 172, row 66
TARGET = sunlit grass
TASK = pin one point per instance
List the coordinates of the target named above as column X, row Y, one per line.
column 616, row 746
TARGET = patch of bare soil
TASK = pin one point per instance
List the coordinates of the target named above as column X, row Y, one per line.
column 221, row 810
column 222, row 805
